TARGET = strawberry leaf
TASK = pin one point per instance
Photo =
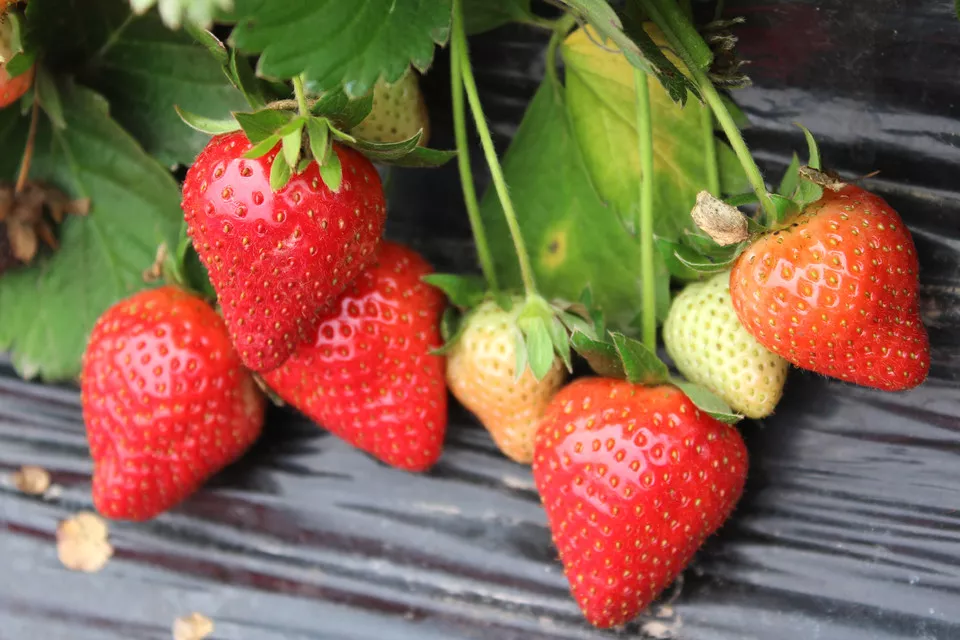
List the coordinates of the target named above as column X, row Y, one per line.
column 263, row 124
column 49, row 96
column 452, row 325
column 331, row 172
column 814, row 150
column 340, row 109
column 709, row 402
column 560, row 340
column 318, row 130
column 539, row 345
column 465, row 292
column 263, row 147
column 292, row 141
column 702, row 264
column 423, row 158
column 209, row 126
column 241, row 75
column 677, row 268
column 791, row 178
column 485, row 15
column 785, row 208
column 601, row 356
column 405, row 153
column 640, row 365
column 575, row 323
column 116, row 54
column 209, row 42
column 279, row 173
column 336, row 43
column 48, row 309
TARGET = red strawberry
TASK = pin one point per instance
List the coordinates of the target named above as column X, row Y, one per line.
column 12, row 89
column 166, row 402
column 836, row 292
column 368, row 375
column 276, row 259
column 633, row 480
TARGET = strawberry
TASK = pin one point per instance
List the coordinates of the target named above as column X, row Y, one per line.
column 711, row 347
column 481, row 374
column 165, row 400
column 836, row 292
column 633, row 480
column 399, row 111
column 368, row 376
column 11, row 89
column 277, row 258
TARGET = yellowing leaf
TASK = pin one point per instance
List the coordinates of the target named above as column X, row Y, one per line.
column 601, row 101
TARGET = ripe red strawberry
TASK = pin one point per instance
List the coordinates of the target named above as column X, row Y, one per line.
column 368, row 375
column 276, row 259
column 633, row 479
column 836, row 292
column 165, row 400
column 12, row 89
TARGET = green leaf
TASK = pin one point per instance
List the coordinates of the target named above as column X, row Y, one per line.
column 260, row 125
column 485, row 15
column 640, row 365
column 420, row 157
column 814, row 150
column 175, row 13
column 48, row 309
column 791, row 178
column 319, row 133
column 292, row 142
column 142, row 68
column 807, row 193
column 279, row 173
column 49, row 96
column 785, row 208
column 733, row 179
column 381, row 151
column 520, row 351
column 572, row 238
column 539, row 346
column 20, row 63
column 602, row 357
column 207, row 125
column 575, row 323
column 601, row 103
column 639, row 50
column 702, row 264
column 263, row 147
column 336, row 43
column 241, row 75
column 340, row 109
column 678, row 269
column 560, row 340
column 709, row 402
column 331, row 172
column 210, row 42
column 465, row 292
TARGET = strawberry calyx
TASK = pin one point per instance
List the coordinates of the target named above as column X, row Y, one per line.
column 724, row 231
column 307, row 129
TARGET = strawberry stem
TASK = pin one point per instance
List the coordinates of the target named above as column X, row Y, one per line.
column 710, row 151
column 496, row 172
column 683, row 38
column 301, row 95
column 28, row 149
column 463, row 161
column 644, row 221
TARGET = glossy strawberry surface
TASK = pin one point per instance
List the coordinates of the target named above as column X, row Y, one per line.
column 836, row 292
column 276, row 259
column 368, row 375
column 166, row 402
column 633, row 480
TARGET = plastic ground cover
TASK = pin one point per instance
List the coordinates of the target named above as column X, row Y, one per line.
column 850, row 525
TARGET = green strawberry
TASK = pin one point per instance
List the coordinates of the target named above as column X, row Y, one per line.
column 711, row 347
column 399, row 112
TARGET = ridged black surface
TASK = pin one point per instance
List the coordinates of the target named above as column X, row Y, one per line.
column 849, row 529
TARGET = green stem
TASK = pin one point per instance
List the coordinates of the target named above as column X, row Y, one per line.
column 644, row 222
column 463, row 160
column 667, row 16
column 561, row 28
column 301, row 94
column 710, row 151
column 486, row 141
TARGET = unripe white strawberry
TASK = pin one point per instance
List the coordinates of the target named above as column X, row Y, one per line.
column 399, row 111
column 711, row 347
